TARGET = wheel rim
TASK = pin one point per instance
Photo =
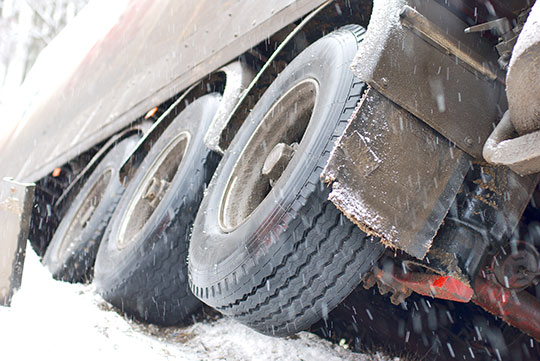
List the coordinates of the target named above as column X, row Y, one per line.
column 267, row 154
column 152, row 189
column 86, row 211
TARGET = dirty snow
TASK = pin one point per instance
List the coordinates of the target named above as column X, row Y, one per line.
column 53, row 320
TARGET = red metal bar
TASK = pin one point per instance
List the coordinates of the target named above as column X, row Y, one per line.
column 432, row 285
column 518, row 308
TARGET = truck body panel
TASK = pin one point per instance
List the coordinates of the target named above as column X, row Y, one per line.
column 153, row 51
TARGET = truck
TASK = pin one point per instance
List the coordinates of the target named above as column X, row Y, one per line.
column 267, row 158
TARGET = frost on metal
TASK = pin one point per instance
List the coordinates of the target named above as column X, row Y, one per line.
column 384, row 18
column 355, row 210
column 393, row 176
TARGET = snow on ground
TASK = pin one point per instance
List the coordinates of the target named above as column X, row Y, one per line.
column 53, row 320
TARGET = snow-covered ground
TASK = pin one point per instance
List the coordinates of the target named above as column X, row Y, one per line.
column 51, row 320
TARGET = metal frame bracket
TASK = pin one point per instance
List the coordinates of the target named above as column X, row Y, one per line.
column 446, row 78
column 16, row 201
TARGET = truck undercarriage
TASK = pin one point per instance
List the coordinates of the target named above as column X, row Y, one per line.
column 391, row 143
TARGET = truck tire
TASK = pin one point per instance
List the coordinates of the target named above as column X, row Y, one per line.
column 268, row 248
column 71, row 254
column 141, row 266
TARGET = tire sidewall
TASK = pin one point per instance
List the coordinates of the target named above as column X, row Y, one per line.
column 215, row 254
column 114, row 266
column 58, row 259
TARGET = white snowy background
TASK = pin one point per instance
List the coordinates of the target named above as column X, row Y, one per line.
column 26, row 27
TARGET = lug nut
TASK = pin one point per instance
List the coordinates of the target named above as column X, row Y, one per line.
column 155, row 191
column 277, row 160
column 152, row 190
